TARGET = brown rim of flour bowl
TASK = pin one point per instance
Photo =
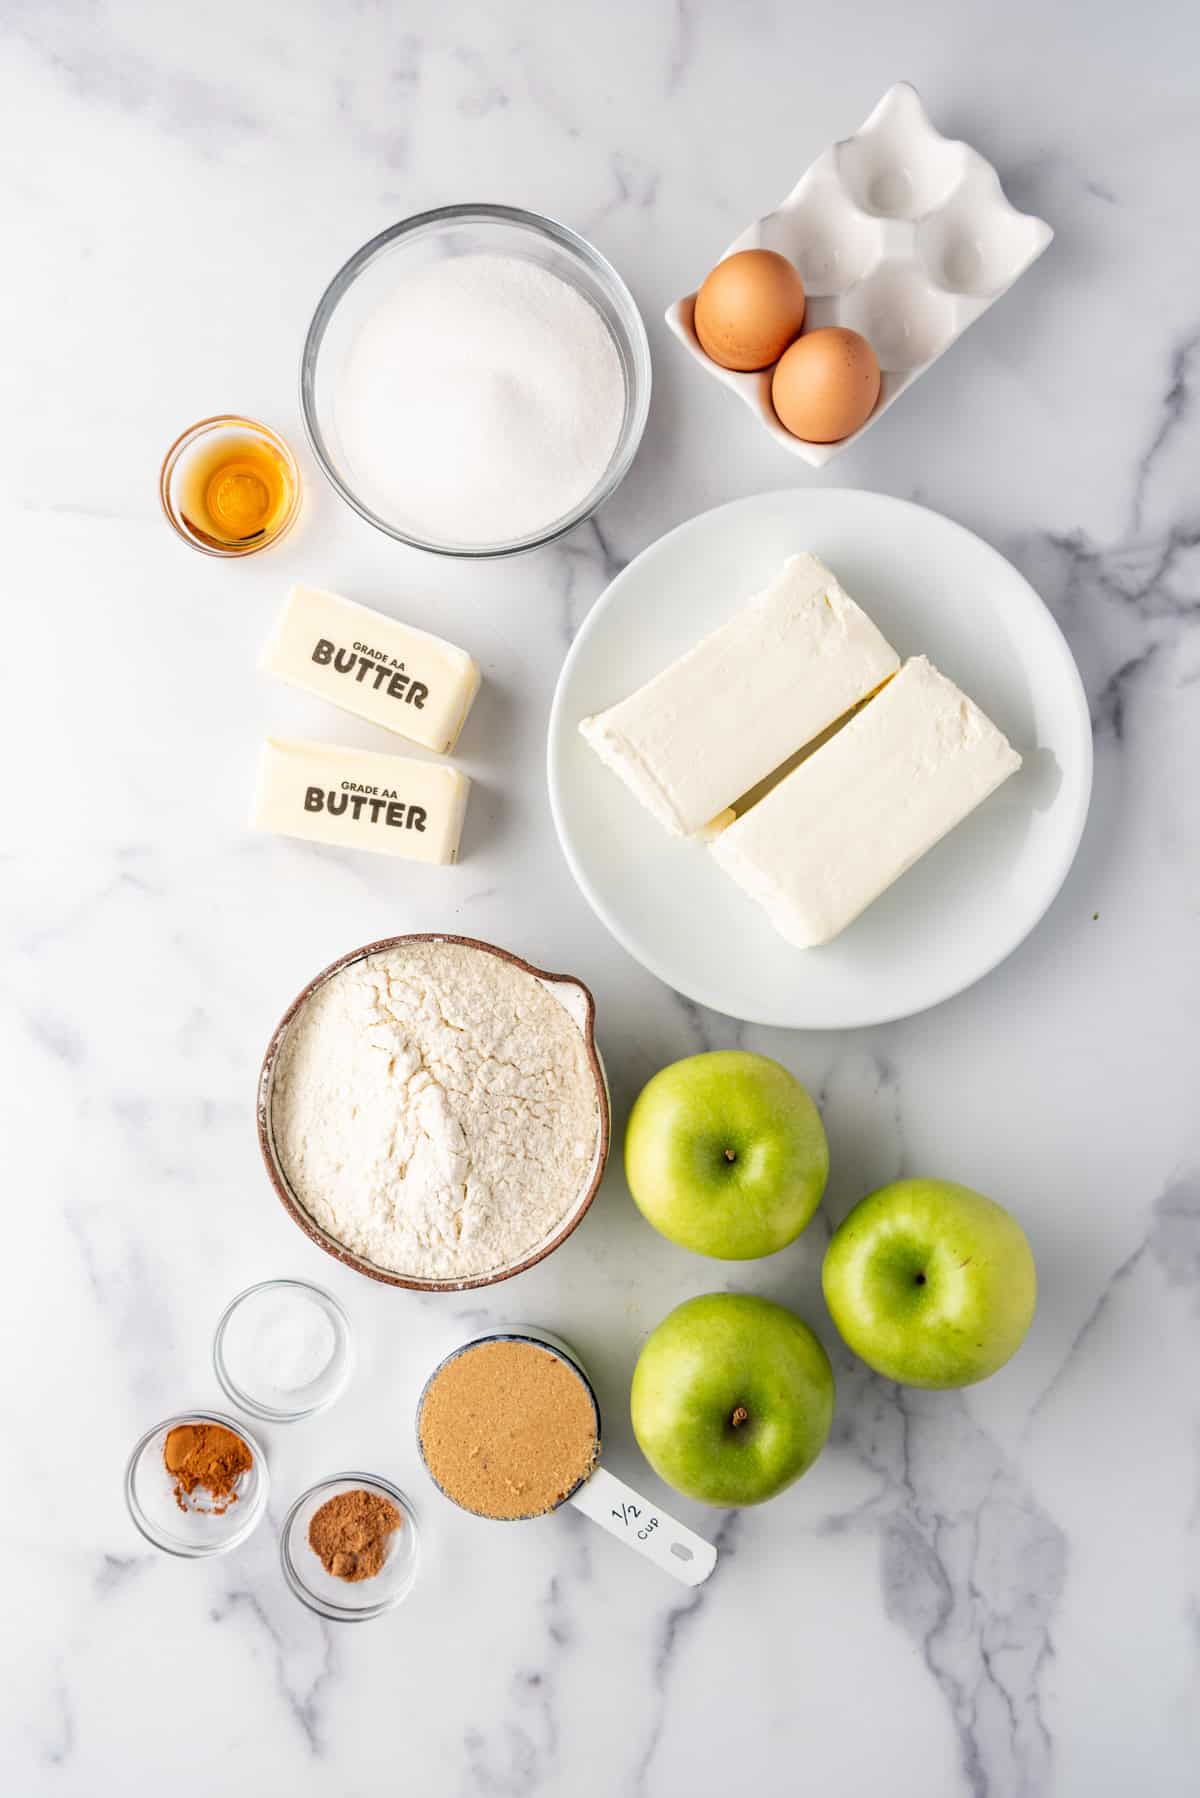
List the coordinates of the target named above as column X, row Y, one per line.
column 586, row 1021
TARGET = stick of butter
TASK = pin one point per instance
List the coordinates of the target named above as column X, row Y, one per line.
column 359, row 799
column 373, row 666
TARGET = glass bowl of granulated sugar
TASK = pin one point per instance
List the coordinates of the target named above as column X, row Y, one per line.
column 475, row 380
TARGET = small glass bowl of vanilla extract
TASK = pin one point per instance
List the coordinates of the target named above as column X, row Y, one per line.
column 230, row 486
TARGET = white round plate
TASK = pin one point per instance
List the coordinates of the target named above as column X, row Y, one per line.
column 933, row 588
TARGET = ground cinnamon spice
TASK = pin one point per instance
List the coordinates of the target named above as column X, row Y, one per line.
column 350, row 1533
column 208, row 1457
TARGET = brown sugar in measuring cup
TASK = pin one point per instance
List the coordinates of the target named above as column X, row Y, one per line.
column 508, row 1428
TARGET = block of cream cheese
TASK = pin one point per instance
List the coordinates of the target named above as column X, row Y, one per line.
column 381, row 670
column 789, row 663
column 358, row 799
column 852, row 818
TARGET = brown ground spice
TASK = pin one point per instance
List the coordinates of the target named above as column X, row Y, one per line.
column 208, row 1457
column 508, row 1429
column 350, row 1533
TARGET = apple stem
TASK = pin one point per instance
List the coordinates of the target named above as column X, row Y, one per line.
column 740, row 1416
column 731, row 1154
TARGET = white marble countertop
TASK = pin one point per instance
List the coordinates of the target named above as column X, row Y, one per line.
column 993, row 1595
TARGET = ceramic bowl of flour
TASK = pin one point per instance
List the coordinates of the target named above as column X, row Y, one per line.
column 475, row 380
column 433, row 1111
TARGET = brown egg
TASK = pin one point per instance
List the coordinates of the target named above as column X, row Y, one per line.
column 749, row 309
column 826, row 385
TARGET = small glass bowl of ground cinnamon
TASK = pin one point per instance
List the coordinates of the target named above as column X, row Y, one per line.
column 349, row 1547
column 197, row 1484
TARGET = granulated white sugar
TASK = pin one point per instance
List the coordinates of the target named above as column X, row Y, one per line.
column 481, row 401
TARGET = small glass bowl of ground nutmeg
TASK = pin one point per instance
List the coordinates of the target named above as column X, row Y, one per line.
column 349, row 1547
column 197, row 1484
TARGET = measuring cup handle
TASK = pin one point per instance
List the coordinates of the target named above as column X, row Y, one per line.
column 641, row 1526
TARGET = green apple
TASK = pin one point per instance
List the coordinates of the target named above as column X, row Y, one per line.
column 732, row 1399
column 931, row 1283
column 726, row 1154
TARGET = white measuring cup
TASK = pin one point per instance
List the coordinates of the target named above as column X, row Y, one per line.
column 617, row 1507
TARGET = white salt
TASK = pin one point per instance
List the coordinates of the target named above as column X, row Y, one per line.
column 278, row 1341
column 481, row 401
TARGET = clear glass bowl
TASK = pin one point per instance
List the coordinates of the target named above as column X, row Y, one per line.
column 341, row 1600
column 358, row 288
column 279, row 1404
column 191, row 1532
column 228, row 431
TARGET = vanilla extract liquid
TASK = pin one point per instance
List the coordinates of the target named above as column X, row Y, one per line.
column 235, row 490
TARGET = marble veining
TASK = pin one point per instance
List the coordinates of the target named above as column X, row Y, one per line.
column 299, row 1678
column 971, row 1569
column 994, row 1594
column 674, row 1627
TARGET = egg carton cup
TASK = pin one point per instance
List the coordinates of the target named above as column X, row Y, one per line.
column 898, row 233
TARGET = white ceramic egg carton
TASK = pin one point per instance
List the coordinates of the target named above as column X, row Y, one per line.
column 899, row 233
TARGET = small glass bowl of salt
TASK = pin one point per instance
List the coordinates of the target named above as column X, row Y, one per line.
column 283, row 1350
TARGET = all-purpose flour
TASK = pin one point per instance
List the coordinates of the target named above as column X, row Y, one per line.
column 481, row 401
column 435, row 1110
